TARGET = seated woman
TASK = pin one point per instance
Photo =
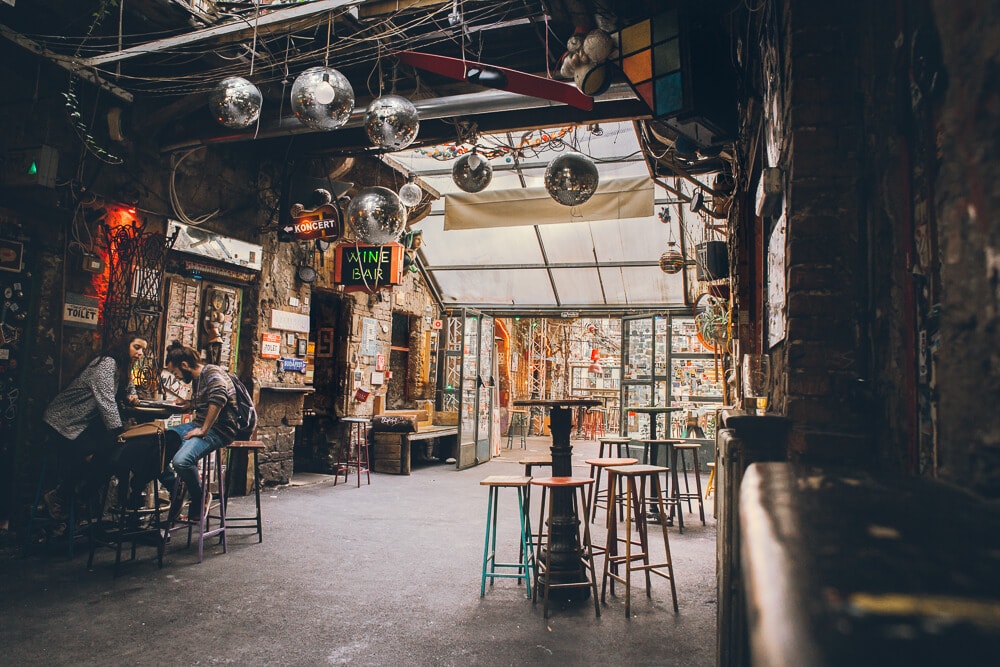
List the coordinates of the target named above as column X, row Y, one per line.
column 83, row 422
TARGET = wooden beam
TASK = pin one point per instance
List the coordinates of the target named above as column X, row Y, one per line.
column 382, row 7
column 273, row 20
column 74, row 66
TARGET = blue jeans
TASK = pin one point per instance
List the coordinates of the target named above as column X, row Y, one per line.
column 185, row 461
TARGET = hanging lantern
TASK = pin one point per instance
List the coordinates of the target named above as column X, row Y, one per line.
column 322, row 98
column 595, row 368
column 377, row 216
column 472, row 172
column 672, row 261
column 392, row 122
column 595, row 355
column 571, row 179
column 235, row 103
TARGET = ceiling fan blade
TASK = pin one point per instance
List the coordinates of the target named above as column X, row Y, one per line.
column 516, row 82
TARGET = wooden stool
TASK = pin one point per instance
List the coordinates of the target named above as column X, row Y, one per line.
column 518, row 420
column 612, row 441
column 710, row 489
column 596, row 496
column 679, row 451
column 543, row 564
column 357, row 450
column 210, row 471
column 594, row 423
column 251, row 447
column 625, row 477
column 525, row 561
column 651, row 454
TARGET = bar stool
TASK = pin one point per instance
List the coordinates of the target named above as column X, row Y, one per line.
column 596, row 496
column 519, row 420
column 651, row 454
column 251, row 447
column 357, row 450
column 635, row 501
column 610, row 441
column 680, row 450
column 525, row 561
column 710, row 488
column 543, row 564
column 594, row 423
column 210, row 471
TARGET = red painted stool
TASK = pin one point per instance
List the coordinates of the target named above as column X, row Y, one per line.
column 357, row 450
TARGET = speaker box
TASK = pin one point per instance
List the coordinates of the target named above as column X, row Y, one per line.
column 712, row 260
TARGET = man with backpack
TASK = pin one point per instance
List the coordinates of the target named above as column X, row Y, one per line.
column 214, row 425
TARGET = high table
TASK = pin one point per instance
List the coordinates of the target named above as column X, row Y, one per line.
column 565, row 564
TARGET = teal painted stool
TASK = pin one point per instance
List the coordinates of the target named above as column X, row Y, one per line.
column 525, row 565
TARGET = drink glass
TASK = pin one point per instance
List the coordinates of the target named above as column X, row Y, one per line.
column 756, row 381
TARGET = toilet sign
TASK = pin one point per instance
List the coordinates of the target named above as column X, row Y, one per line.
column 81, row 311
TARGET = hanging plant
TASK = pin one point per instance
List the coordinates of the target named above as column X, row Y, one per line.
column 713, row 325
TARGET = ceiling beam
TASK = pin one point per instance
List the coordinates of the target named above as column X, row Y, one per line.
column 66, row 63
column 276, row 19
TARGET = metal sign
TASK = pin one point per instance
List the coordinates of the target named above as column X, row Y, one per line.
column 81, row 311
column 323, row 222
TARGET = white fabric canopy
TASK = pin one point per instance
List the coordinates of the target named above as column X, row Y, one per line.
column 615, row 199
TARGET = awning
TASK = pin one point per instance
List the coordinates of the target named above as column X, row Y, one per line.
column 615, row 199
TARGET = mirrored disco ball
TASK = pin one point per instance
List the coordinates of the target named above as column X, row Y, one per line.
column 472, row 172
column 392, row 122
column 410, row 194
column 377, row 216
column 571, row 178
column 322, row 98
column 235, row 102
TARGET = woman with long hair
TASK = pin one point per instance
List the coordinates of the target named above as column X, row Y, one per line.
column 83, row 421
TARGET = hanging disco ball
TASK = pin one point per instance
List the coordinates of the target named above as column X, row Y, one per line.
column 410, row 194
column 571, row 178
column 377, row 216
column 671, row 261
column 322, row 98
column 392, row 122
column 235, row 103
column 472, row 172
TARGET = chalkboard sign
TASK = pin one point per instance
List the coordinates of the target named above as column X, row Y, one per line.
column 368, row 266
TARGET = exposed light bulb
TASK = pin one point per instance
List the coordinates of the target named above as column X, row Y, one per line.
column 475, row 161
column 324, row 91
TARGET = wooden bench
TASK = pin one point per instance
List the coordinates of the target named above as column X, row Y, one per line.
column 392, row 450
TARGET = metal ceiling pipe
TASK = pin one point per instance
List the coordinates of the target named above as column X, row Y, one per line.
column 487, row 101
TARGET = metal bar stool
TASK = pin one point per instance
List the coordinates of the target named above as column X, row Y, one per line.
column 543, row 563
column 622, row 480
column 357, row 450
column 680, row 450
column 251, row 447
column 210, row 472
column 610, row 441
column 594, row 423
column 525, row 561
column 597, row 497
column 518, row 420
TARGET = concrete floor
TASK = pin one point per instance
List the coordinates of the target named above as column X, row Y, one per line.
column 387, row 574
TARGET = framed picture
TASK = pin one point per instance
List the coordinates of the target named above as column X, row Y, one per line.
column 300, row 346
column 324, row 343
column 11, row 255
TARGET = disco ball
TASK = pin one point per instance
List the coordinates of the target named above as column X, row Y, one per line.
column 377, row 216
column 671, row 261
column 235, row 102
column 392, row 122
column 472, row 172
column 571, row 178
column 410, row 194
column 322, row 98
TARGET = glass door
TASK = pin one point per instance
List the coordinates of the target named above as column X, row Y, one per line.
column 486, row 383
column 645, row 372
